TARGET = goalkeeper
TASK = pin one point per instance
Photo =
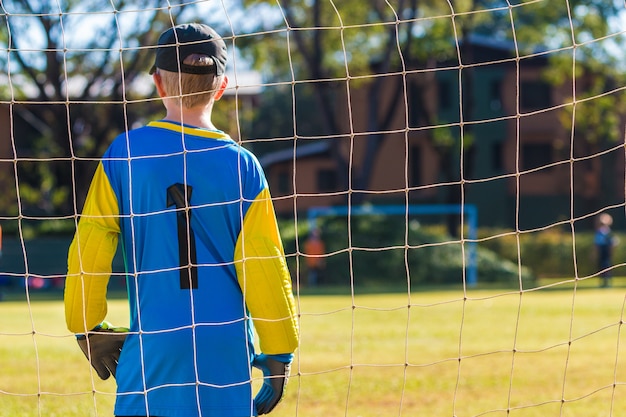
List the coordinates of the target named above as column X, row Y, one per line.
column 203, row 254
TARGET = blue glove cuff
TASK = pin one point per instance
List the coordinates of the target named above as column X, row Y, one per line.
column 283, row 357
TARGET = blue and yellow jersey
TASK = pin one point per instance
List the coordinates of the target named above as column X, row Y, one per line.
column 203, row 256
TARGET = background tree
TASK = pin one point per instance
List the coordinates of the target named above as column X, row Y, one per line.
column 328, row 44
column 76, row 71
column 595, row 105
column 319, row 46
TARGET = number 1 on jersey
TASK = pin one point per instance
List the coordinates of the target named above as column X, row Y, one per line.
column 180, row 196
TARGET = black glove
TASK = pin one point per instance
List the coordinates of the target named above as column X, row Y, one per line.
column 102, row 347
column 275, row 376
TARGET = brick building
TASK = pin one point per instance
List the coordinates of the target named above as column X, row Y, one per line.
column 519, row 155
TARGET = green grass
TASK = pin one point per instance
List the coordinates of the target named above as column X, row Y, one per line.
column 550, row 352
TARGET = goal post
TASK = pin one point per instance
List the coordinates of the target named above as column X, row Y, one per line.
column 468, row 212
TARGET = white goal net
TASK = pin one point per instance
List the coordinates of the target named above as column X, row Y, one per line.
column 458, row 158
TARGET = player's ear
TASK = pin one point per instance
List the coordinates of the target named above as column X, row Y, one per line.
column 158, row 82
column 220, row 91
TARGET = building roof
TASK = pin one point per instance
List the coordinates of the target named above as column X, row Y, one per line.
column 301, row 151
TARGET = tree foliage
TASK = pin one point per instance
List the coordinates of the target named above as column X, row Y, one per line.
column 76, row 73
column 326, row 44
column 61, row 57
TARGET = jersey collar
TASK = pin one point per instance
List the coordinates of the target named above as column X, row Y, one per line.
column 190, row 130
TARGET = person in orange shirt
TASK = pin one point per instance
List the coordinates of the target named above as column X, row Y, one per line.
column 315, row 250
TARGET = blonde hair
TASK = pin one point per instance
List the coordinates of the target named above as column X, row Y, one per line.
column 192, row 89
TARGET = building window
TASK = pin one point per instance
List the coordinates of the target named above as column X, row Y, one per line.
column 469, row 161
column 535, row 155
column 326, row 180
column 495, row 95
column 534, row 95
column 445, row 99
column 497, row 164
column 415, row 104
column 415, row 166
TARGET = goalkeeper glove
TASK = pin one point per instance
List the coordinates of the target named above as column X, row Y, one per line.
column 275, row 370
column 102, row 347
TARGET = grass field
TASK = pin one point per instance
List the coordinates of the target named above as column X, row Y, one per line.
column 551, row 352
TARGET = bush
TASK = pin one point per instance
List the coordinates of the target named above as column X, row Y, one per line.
column 382, row 250
column 553, row 252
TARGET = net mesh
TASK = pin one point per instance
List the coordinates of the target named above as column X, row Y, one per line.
column 515, row 108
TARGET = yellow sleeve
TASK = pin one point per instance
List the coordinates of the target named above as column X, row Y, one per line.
column 265, row 280
column 90, row 257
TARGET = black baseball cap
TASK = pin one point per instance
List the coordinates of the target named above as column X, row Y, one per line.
column 177, row 43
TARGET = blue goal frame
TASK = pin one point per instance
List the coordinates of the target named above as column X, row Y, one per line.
column 468, row 210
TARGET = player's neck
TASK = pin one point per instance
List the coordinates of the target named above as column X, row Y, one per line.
column 197, row 116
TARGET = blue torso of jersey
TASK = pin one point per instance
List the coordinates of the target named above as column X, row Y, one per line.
column 182, row 195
